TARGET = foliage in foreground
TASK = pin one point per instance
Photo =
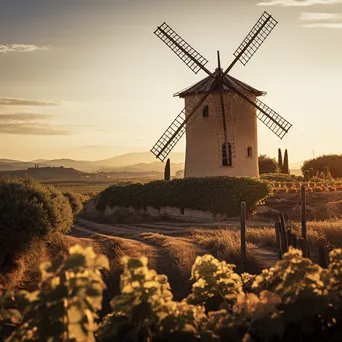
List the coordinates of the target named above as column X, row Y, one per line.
column 29, row 210
column 189, row 193
column 295, row 300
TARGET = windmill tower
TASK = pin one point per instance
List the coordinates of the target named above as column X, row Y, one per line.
column 220, row 114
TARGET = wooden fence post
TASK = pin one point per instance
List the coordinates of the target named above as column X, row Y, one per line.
column 283, row 235
column 278, row 240
column 243, row 234
column 323, row 254
column 303, row 200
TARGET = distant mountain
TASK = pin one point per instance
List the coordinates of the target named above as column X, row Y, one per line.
column 137, row 158
column 132, row 162
column 47, row 173
column 7, row 161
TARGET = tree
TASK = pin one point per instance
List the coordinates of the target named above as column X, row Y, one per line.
column 167, row 172
column 280, row 159
column 332, row 161
column 267, row 165
column 285, row 168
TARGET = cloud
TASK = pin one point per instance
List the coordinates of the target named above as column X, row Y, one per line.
column 11, row 101
column 325, row 25
column 6, row 48
column 289, row 3
column 320, row 16
column 23, row 117
column 33, row 129
column 29, row 123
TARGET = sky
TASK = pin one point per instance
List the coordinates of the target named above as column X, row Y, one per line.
column 88, row 79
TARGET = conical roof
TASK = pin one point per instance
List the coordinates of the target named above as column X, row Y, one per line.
column 206, row 85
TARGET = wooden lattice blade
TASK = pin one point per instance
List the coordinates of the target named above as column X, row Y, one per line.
column 192, row 58
column 255, row 38
column 269, row 117
column 175, row 131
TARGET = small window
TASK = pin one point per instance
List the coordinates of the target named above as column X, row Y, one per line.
column 205, row 112
column 226, row 160
column 249, row 152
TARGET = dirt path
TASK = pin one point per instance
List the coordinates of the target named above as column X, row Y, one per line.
column 169, row 246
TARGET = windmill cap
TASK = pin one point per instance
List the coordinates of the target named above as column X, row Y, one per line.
column 206, row 85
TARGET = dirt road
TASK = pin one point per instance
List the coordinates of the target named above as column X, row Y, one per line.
column 171, row 247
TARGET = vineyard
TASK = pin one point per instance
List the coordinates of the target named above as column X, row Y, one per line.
column 296, row 300
column 319, row 186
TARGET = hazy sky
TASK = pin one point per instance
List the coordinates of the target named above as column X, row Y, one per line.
column 88, row 79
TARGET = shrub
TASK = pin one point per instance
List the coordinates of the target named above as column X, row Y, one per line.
column 214, row 194
column 28, row 211
column 332, row 161
column 267, row 165
column 75, row 201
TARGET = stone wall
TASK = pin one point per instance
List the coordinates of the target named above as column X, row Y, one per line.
column 152, row 213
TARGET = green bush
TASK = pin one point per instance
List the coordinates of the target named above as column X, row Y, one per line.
column 267, row 165
column 331, row 162
column 296, row 300
column 28, row 211
column 75, row 201
column 214, row 194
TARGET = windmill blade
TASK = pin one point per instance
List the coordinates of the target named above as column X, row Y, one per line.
column 255, row 38
column 273, row 121
column 193, row 59
column 175, row 131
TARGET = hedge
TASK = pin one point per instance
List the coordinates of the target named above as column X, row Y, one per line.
column 215, row 194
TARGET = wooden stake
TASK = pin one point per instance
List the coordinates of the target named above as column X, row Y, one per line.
column 303, row 198
column 278, row 240
column 243, row 234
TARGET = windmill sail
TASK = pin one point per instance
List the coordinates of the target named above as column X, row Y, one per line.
column 193, row 59
column 175, row 131
column 272, row 120
column 255, row 38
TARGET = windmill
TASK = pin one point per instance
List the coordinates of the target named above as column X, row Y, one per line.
column 223, row 140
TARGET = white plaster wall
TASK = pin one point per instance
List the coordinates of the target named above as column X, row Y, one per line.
column 204, row 139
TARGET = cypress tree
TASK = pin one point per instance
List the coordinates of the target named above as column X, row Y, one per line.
column 280, row 159
column 167, row 172
column 285, row 168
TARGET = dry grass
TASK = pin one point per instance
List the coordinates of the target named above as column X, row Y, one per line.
column 225, row 245
column 329, row 231
column 24, row 272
